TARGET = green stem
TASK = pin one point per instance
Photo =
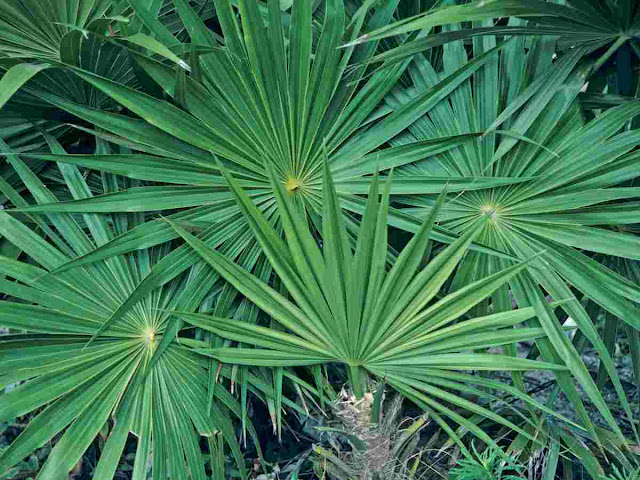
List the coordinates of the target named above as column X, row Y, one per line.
column 612, row 49
column 357, row 378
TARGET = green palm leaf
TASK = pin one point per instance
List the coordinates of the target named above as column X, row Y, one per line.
column 606, row 26
column 329, row 320
column 236, row 111
column 137, row 371
column 579, row 168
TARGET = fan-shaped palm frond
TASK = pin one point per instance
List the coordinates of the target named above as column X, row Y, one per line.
column 347, row 308
column 253, row 102
column 135, row 372
column 243, row 102
column 572, row 192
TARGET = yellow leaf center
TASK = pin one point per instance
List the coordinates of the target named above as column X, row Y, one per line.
column 149, row 335
column 292, row 184
column 489, row 210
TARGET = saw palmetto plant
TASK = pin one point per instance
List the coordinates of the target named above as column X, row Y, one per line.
column 251, row 108
column 575, row 177
column 254, row 130
column 132, row 378
column 253, row 103
column 346, row 308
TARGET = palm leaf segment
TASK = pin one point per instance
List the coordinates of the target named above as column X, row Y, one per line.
column 35, row 35
column 253, row 103
column 578, row 187
column 574, row 175
column 251, row 109
column 96, row 35
column 134, row 372
column 608, row 27
column 347, row 308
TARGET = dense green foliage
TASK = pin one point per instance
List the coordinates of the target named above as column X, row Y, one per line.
column 225, row 220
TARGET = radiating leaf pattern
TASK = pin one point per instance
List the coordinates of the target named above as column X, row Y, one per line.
column 134, row 373
column 254, row 131
column 347, row 308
